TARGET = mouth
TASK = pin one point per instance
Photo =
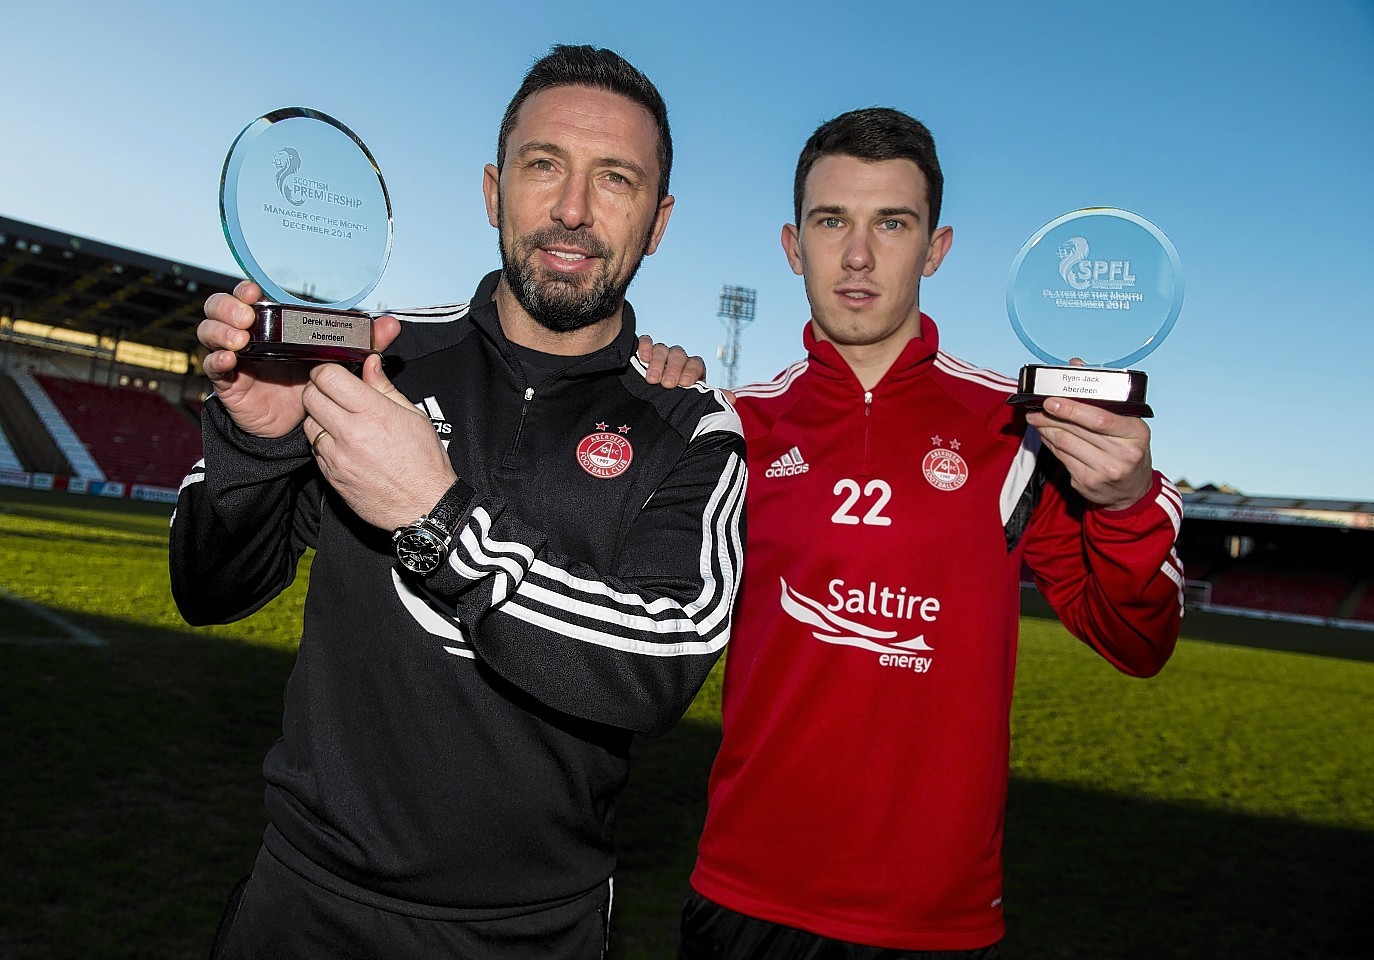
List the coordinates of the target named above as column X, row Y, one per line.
column 857, row 296
column 567, row 260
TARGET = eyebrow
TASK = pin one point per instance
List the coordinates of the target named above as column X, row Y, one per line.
column 544, row 146
column 841, row 210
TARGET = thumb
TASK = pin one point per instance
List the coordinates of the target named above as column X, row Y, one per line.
column 376, row 378
column 385, row 329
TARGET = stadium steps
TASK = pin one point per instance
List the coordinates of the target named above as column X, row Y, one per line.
column 137, row 436
column 9, row 460
column 1359, row 602
column 78, row 457
column 34, row 447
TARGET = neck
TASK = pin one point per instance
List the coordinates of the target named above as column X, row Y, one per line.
column 870, row 362
column 519, row 327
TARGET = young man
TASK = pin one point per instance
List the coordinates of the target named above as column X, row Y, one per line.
column 525, row 555
column 856, row 804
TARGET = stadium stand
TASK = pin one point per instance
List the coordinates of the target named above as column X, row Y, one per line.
column 134, row 435
column 1281, row 591
column 1362, row 608
column 98, row 363
column 9, row 460
column 76, row 452
column 100, row 393
column 1279, row 557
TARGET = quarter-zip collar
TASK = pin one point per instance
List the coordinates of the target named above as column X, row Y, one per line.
column 611, row 358
column 917, row 357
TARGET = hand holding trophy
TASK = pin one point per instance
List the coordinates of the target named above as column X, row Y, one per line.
column 1102, row 285
column 307, row 216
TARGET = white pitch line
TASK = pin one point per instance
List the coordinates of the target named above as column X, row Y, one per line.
column 75, row 635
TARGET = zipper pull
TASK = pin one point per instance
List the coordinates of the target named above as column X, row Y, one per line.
column 529, row 394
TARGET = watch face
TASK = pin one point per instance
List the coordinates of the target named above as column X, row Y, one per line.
column 420, row 551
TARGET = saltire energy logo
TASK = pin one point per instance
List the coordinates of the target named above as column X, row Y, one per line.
column 829, row 627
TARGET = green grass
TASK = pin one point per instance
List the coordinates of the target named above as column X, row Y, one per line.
column 1225, row 808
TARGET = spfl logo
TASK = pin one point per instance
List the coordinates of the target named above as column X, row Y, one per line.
column 287, row 161
column 1081, row 273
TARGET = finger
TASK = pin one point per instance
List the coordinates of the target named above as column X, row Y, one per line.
column 311, row 428
column 673, row 365
column 654, row 355
column 645, row 348
column 385, row 330
column 229, row 309
column 375, row 377
column 217, row 335
column 694, row 371
column 329, row 401
column 219, row 365
column 1093, row 418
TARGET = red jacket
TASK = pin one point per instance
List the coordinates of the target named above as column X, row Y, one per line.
column 860, row 786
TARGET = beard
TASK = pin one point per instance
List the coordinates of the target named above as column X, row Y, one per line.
column 558, row 303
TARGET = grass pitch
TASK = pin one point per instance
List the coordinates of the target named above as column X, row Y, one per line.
column 1225, row 808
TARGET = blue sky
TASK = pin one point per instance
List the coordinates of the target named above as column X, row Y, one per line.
column 1245, row 130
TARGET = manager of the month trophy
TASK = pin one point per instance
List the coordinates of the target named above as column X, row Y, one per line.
column 1100, row 285
column 308, row 218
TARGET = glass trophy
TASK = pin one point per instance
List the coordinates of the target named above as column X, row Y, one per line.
column 307, row 216
column 1100, row 285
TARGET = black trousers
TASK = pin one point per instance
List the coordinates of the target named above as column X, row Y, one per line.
column 711, row 932
column 276, row 913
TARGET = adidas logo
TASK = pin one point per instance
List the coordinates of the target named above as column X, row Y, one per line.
column 789, row 464
column 430, row 407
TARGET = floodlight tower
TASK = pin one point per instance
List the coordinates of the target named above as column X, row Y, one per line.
column 736, row 312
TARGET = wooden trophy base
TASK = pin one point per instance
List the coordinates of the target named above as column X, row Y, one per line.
column 308, row 334
column 1120, row 391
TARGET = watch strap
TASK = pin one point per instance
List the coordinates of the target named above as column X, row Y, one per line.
column 449, row 510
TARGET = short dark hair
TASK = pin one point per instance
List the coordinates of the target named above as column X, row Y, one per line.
column 874, row 133
column 566, row 65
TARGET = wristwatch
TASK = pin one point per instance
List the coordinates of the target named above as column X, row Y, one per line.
column 423, row 546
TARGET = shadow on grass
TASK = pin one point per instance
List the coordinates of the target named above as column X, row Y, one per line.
column 1090, row 875
column 133, row 788
column 133, row 801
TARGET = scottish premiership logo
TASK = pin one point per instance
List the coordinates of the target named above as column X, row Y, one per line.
column 287, row 161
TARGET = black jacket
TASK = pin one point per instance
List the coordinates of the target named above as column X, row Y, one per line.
column 453, row 747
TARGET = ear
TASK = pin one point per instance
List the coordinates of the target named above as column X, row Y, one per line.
column 661, row 215
column 491, row 190
column 939, row 246
column 791, row 245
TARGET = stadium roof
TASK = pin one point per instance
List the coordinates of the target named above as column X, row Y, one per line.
column 64, row 280
column 1212, row 504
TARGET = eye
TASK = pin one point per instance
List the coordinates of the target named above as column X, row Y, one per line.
column 830, row 223
column 892, row 224
column 542, row 163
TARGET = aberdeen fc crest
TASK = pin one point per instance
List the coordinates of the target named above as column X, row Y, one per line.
column 944, row 469
column 604, row 454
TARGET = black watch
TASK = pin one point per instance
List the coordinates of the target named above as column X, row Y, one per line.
column 423, row 546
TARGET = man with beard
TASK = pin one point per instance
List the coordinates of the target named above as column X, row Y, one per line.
column 525, row 554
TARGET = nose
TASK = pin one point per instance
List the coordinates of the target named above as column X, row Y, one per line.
column 572, row 208
column 858, row 252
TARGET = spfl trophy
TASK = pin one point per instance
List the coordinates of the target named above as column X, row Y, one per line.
column 307, row 216
column 1101, row 285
